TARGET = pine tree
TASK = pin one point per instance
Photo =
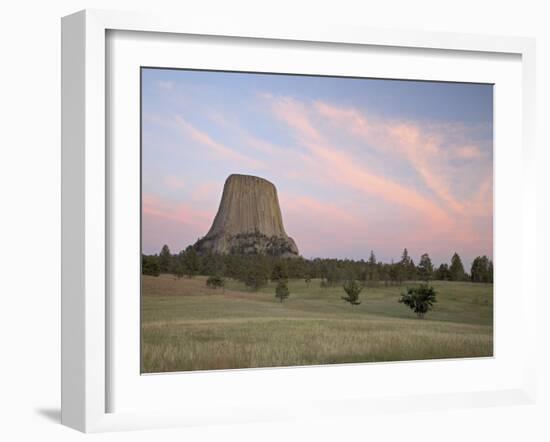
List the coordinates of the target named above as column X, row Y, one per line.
column 372, row 269
column 396, row 272
column 190, row 261
column 178, row 269
column 404, row 264
column 411, row 271
column 405, row 259
column 456, row 268
column 425, row 268
column 164, row 259
column 372, row 259
column 442, row 273
column 482, row 270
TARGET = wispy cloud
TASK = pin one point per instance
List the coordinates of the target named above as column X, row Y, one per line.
column 169, row 222
column 421, row 146
column 469, row 152
column 218, row 150
column 343, row 168
column 444, row 215
column 181, row 213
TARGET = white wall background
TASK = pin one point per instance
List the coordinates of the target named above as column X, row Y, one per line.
column 30, row 215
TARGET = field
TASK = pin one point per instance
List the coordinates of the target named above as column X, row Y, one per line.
column 188, row 326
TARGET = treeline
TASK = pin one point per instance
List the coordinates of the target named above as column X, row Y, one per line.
column 256, row 270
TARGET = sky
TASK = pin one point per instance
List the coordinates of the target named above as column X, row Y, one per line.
column 359, row 164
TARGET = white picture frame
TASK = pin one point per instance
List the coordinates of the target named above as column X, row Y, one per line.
column 87, row 203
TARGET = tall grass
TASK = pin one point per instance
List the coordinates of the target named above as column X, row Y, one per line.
column 187, row 326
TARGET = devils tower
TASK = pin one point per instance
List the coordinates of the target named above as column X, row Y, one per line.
column 248, row 221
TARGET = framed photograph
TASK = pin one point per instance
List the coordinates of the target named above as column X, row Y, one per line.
column 268, row 223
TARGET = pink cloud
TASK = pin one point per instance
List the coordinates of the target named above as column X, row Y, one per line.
column 345, row 170
column 172, row 223
column 468, row 152
column 345, row 230
column 317, row 225
column 482, row 203
column 406, row 139
column 180, row 213
column 342, row 168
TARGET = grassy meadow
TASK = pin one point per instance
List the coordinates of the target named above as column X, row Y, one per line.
column 187, row 326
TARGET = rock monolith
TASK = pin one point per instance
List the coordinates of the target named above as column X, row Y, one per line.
column 248, row 221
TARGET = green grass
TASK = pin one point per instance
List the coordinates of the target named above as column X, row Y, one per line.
column 188, row 326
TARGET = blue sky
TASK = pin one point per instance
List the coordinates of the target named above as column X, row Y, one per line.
column 359, row 164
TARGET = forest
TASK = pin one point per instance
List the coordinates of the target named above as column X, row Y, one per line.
column 256, row 270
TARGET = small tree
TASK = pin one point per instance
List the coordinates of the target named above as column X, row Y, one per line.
column 352, row 289
column 281, row 291
column 419, row 299
column 215, row 281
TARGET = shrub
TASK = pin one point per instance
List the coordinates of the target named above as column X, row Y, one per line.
column 419, row 299
column 215, row 281
column 352, row 289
